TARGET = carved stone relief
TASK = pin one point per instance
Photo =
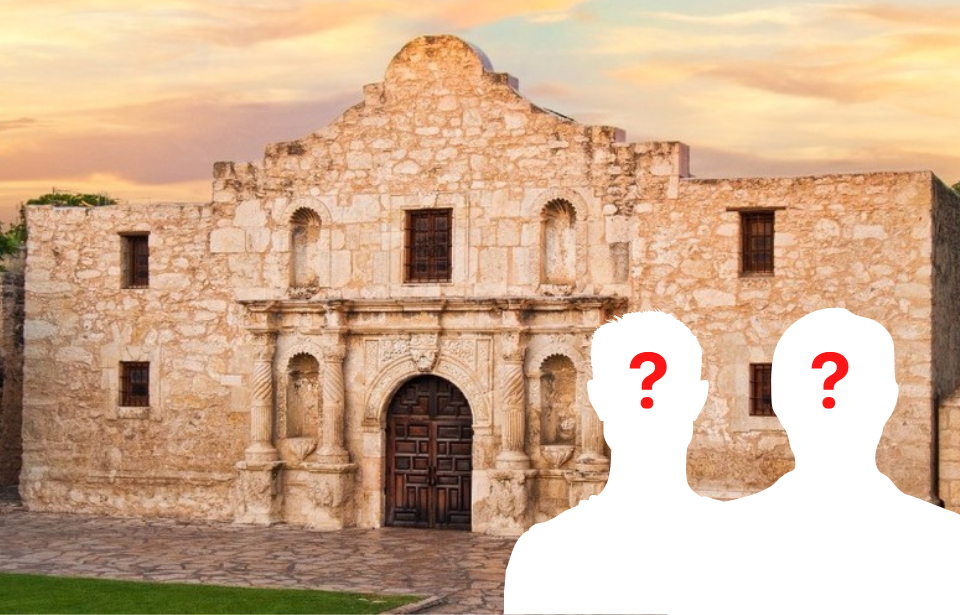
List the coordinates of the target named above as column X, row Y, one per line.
column 558, row 407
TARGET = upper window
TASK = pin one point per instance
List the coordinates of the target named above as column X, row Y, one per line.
column 136, row 261
column 428, row 243
column 134, row 384
column 756, row 232
column 760, row 398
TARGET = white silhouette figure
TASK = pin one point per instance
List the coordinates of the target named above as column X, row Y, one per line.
column 834, row 535
column 629, row 549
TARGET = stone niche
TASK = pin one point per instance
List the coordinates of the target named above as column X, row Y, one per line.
column 299, row 415
column 556, row 386
column 558, row 411
column 559, row 243
column 304, row 253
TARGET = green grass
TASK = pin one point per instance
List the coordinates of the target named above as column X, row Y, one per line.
column 32, row 593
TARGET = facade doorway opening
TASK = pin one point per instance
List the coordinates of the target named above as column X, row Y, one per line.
column 429, row 456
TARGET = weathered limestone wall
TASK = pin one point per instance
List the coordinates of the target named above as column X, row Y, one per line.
column 946, row 339
column 11, row 368
column 82, row 451
column 861, row 242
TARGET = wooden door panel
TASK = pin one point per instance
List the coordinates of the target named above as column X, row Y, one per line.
column 452, row 475
column 408, row 439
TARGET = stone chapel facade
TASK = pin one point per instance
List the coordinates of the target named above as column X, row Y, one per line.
column 388, row 321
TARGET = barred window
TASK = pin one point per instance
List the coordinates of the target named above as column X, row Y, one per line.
column 134, row 384
column 756, row 233
column 760, row 401
column 428, row 244
column 136, row 260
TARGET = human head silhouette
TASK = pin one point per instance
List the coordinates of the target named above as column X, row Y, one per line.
column 616, row 389
column 864, row 398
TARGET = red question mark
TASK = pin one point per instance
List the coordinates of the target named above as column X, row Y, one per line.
column 659, row 369
column 841, row 362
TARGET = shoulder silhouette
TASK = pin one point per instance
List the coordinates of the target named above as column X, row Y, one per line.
column 835, row 535
column 631, row 548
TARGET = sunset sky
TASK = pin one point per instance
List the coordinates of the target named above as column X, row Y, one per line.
column 140, row 102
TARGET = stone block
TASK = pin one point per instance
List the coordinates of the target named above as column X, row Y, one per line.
column 228, row 240
column 258, row 239
column 34, row 330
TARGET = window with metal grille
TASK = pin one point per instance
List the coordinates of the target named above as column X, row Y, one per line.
column 134, row 384
column 428, row 243
column 760, row 403
column 756, row 232
column 136, row 261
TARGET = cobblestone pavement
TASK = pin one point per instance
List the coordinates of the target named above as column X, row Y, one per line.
column 464, row 569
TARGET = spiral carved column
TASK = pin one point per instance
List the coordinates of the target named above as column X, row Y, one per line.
column 261, row 449
column 592, row 455
column 332, row 449
column 513, row 400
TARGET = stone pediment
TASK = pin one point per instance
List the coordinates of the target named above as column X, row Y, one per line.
column 443, row 88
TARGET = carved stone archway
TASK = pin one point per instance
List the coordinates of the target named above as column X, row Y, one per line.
column 394, row 375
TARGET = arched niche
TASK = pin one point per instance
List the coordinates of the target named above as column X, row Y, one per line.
column 558, row 261
column 301, row 411
column 304, row 249
column 559, row 416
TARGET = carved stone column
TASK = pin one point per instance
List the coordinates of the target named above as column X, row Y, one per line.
column 258, row 493
column 512, row 386
column 332, row 450
column 592, row 457
column 261, row 449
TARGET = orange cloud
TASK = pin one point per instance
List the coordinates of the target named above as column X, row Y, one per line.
column 163, row 142
column 22, row 122
column 471, row 13
column 246, row 25
column 937, row 17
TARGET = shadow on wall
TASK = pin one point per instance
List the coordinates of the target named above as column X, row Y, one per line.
column 11, row 368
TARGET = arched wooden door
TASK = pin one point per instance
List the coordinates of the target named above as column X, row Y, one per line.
column 429, row 455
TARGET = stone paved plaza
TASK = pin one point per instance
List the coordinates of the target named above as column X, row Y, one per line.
column 465, row 569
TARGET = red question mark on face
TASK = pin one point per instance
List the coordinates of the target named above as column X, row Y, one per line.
column 841, row 362
column 659, row 369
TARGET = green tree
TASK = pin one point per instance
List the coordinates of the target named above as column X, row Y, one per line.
column 72, row 199
column 15, row 235
column 956, row 186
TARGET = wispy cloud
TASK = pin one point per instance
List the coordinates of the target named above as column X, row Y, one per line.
column 465, row 14
column 939, row 17
column 782, row 15
column 17, row 123
column 249, row 24
column 168, row 141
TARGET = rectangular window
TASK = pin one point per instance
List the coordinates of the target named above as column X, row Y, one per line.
column 428, row 243
column 760, row 403
column 136, row 261
column 756, row 233
column 134, row 384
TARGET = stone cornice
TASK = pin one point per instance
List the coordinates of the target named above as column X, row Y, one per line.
column 433, row 304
